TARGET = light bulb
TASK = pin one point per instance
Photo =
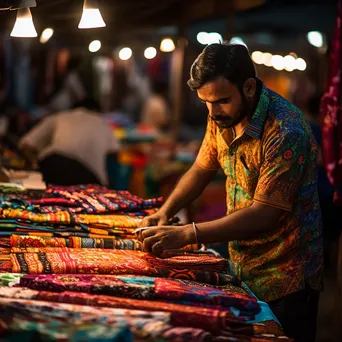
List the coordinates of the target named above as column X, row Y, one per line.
column 300, row 64
column 46, row 35
column 290, row 63
column 95, row 46
column 24, row 26
column 91, row 16
column 125, row 54
column 278, row 62
column 150, row 53
column 167, row 45
column 315, row 38
column 257, row 57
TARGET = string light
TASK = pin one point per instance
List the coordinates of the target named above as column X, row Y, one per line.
column 289, row 63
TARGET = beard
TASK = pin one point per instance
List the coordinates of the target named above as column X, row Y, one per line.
column 226, row 121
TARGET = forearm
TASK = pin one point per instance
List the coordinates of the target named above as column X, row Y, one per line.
column 243, row 224
column 190, row 186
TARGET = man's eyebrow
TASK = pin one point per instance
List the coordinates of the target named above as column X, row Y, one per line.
column 218, row 100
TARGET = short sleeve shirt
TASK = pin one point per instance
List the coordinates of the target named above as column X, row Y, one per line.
column 273, row 162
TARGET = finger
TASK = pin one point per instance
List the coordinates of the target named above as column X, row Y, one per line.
column 149, row 232
column 157, row 249
column 146, row 222
column 149, row 242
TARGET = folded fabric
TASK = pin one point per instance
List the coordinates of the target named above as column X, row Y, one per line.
column 89, row 199
column 148, row 288
column 166, row 289
column 15, row 329
column 213, row 320
column 104, row 261
column 74, row 242
column 143, row 324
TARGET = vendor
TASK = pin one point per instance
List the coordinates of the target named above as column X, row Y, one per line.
column 273, row 224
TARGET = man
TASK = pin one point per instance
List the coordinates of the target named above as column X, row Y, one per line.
column 72, row 146
column 268, row 153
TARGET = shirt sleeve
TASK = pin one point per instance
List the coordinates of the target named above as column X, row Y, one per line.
column 286, row 161
column 207, row 157
column 41, row 135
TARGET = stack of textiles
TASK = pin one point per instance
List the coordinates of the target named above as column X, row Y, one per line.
column 71, row 270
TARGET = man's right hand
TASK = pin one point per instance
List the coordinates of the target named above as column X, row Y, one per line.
column 157, row 219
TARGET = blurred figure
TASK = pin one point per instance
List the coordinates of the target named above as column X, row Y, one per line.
column 330, row 212
column 72, row 146
column 72, row 91
column 156, row 109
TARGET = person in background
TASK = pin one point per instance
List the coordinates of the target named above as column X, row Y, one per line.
column 273, row 224
column 72, row 90
column 156, row 109
column 331, row 214
column 72, row 146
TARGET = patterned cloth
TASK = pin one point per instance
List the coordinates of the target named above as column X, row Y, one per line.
column 104, row 261
column 16, row 329
column 144, row 325
column 331, row 111
column 143, row 288
column 273, row 162
column 74, row 242
column 166, row 289
column 91, row 199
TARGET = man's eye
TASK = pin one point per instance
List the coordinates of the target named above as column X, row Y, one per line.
column 202, row 101
column 224, row 101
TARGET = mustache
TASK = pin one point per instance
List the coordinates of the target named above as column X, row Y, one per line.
column 221, row 118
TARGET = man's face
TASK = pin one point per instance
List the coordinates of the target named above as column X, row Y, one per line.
column 226, row 105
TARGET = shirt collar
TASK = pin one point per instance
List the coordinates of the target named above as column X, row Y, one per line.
column 256, row 125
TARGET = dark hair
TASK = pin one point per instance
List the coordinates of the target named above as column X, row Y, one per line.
column 231, row 61
column 88, row 103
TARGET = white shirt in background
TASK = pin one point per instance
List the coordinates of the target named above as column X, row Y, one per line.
column 79, row 134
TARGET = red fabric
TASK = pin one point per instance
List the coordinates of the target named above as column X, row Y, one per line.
column 332, row 114
column 213, row 320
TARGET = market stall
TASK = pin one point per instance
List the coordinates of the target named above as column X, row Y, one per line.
column 71, row 269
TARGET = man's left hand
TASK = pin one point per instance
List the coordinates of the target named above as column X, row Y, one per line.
column 161, row 238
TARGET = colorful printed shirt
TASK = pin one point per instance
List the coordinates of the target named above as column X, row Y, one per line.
column 272, row 162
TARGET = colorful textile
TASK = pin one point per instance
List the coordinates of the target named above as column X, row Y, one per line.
column 143, row 324
column 16, row 329
column 106, row 243
column 166, row 289
column 194, row 261
column 143, row 288
column 37, row 241
column 273, row 162
column 74, row 260
column 214, row 320
column 19, row 241
column 91, row 199
column 331, row 111
column 10, row 279
column 5, row 260
column 104, row 261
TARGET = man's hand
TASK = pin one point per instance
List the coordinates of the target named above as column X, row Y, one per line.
column 157, row 219
column 161, row 238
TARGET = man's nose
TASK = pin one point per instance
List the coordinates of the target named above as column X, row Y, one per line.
column 213, row 109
